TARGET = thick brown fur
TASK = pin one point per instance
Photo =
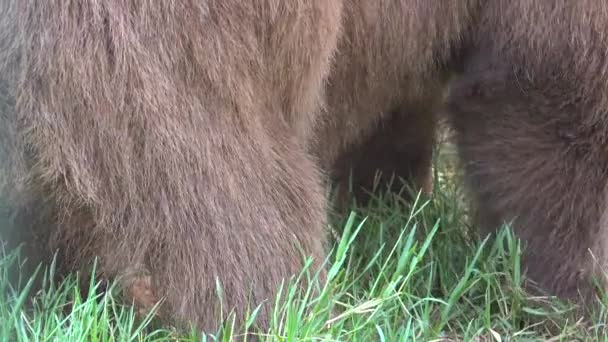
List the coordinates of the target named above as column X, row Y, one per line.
column 174, row 150
column 531, row 116
column 188, row 139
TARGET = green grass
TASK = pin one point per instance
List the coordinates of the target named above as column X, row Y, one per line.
column 399, row 271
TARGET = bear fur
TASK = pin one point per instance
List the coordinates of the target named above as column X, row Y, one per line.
column 184, row 142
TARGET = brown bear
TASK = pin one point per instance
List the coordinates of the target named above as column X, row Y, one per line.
column 191, row 140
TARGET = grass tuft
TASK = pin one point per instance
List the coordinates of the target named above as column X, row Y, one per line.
column 398, row 270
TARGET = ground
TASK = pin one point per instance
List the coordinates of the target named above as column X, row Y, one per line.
column 398, row 271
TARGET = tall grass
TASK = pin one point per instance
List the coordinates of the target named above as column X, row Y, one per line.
column 398, row 271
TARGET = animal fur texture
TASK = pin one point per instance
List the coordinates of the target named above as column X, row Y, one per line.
column 187, row 141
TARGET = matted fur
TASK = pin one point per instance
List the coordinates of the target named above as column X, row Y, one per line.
column 188, row 139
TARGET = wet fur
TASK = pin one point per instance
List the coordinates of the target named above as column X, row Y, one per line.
column 192, row 139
